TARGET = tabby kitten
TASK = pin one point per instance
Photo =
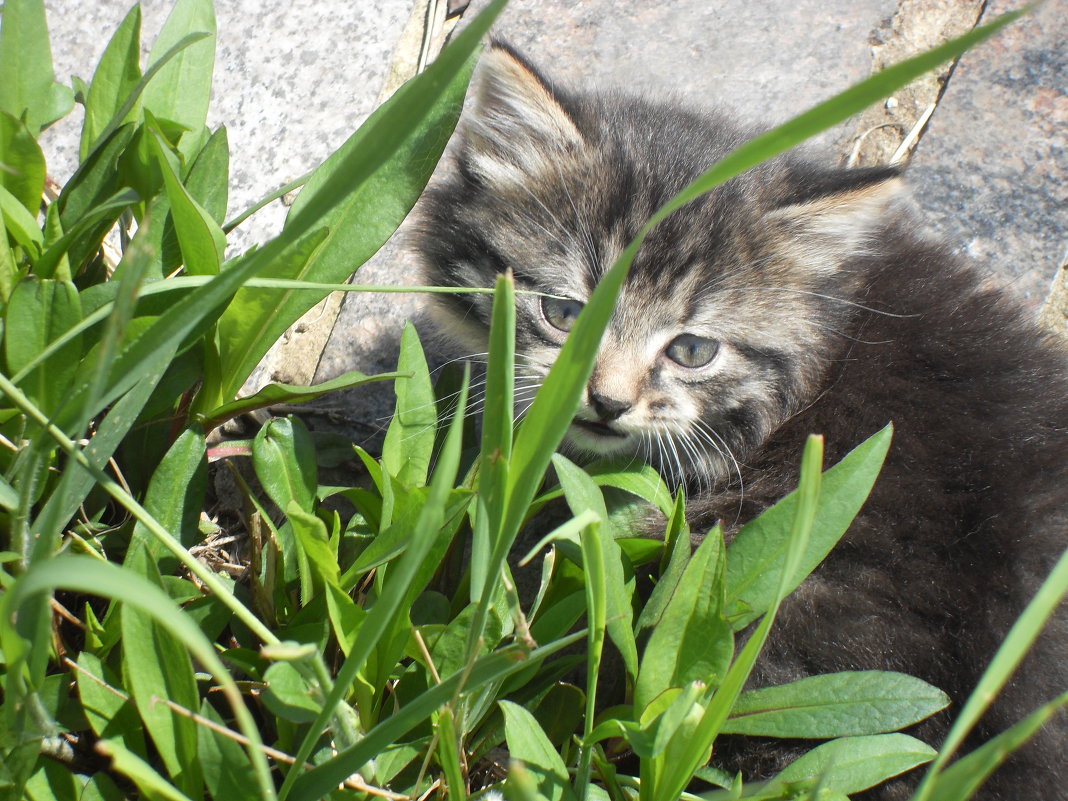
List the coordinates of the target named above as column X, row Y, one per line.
column 794, row 299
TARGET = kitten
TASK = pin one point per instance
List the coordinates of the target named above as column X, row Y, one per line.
column 793, row 299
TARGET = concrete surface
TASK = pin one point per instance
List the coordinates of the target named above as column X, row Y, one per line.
column 294, row 78
column 992, row 171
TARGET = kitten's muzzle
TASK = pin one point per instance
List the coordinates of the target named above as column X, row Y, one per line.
column 608, row 409
column 597, row 427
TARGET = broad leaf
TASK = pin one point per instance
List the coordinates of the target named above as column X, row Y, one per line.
column 582, row 494
column 528, row 744
column 410, row 437
column 28, row 90
column 155, row 666
column 182, row 89
column 116, row 75
column 175, row 497
column 691, row 641
column 757, row 550
column 22, row 164
column 39, row 312
column 283, row 457
column 852, row 764
column 273, row 394
column 835, row 705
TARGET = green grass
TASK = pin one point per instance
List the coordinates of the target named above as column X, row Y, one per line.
column 360, row 651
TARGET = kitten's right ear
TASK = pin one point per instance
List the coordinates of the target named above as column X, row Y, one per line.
column 517, row 126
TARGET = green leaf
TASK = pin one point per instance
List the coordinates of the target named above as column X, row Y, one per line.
column 752, row 558
column 9, row 499
column 496, row 446
column 9, row 272
column 109, row 714
column 175, row 497
column 670, row 775
column 582, row 494
column 410, row 438
column 20, row 223
column 528, row 744
column 76, row 483
column 182, row 89
column 324, row 777
column 160, row 341
column 314, row 541
column 673, row 566
column 39, row 312
column 200, row 238
column 227, row 773
column 283, row 457
column 851, row 764
column 345, row 617
column 28, row 90
column 273, row 394
column 116, row 75
column 22, row 164
column 1010, row 653
column 963, row 778
column 53, row 782
column 84, row 237
column 141, row 773
column 155, row 666
column 691, row 641
column 96, row 178
column 208, row 180
column 288, row 694
column 835, row 705
column 641, row 480
column 401, row 586
column 131, row 103
column 88, row 575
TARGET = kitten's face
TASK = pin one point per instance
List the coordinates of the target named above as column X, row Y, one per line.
column 721, row 331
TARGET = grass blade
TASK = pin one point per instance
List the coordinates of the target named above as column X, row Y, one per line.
column 87, row 575
column 1008, row 657
column 381, row 616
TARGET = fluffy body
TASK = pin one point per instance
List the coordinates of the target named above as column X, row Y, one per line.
column 825, row 310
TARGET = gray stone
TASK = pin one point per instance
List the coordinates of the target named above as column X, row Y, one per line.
column 992, row 169
column 292, row 81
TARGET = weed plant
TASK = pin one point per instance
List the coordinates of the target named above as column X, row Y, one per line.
column 342, row 662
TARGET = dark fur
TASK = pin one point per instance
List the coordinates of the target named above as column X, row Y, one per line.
column 969, row 514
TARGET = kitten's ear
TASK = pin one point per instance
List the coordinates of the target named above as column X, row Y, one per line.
column 517, row 126
column 840, row 215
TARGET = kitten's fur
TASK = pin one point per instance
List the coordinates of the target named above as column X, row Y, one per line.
column 831, row 315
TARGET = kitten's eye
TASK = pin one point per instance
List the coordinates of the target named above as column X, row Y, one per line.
column 692, row 351
column 560, row 313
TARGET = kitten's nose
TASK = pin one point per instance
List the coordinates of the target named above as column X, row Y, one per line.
column 607, row 409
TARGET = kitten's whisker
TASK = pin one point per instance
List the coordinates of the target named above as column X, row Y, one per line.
column 851, row 339
column 708, row 432
column 676, row 470
column 479, row 359
column 814, row 295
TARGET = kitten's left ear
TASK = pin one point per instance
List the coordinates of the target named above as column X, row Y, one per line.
column 839, row 215
column 517, row 125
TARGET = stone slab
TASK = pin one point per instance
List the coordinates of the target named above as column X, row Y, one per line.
column 292, row 81
column 992, row 169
